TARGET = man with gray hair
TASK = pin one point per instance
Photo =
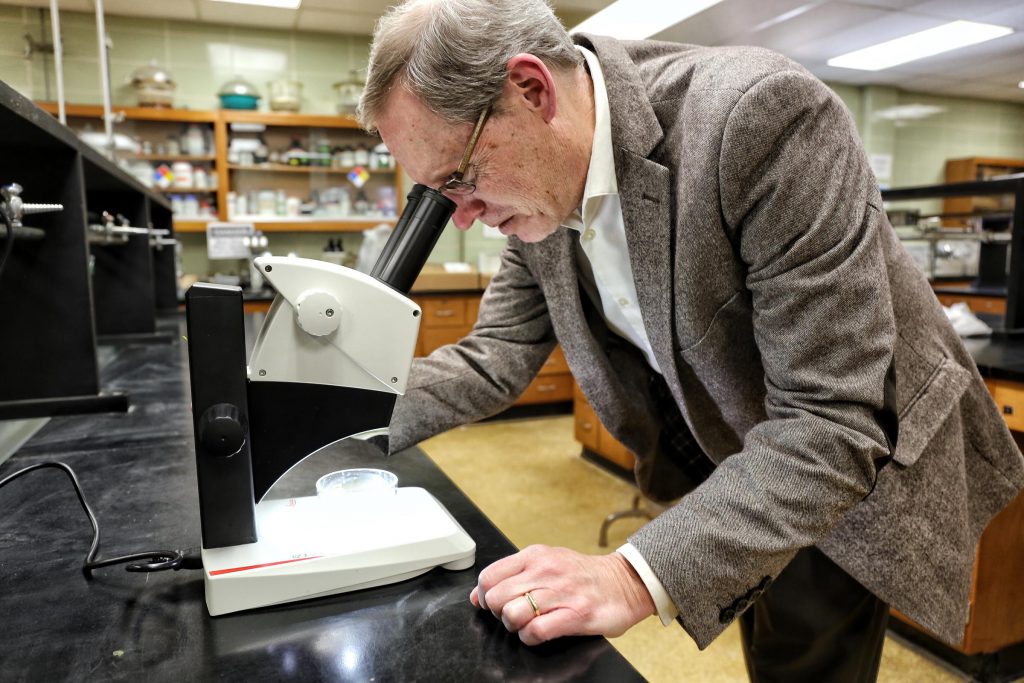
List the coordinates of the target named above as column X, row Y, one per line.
column 701, row 232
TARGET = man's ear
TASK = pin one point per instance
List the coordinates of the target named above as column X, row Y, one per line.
column 532, row 85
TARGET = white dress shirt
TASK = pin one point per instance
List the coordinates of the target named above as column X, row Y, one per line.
column 603, row 241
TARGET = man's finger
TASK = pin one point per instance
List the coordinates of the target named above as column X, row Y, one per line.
column 551, row 625
column 494, row 574
column 517, row 613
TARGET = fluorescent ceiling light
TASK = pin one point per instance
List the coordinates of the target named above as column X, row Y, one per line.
column 639, row 19
column 934, row 41
column 282, row 4
column 1021, row 84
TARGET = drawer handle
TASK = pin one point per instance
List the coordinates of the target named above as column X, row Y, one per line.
column 545, row 388
column 444, row 313
column 1007, row 410
column 586, row 426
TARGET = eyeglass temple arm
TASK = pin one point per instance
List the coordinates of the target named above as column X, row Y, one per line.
column 472, row 143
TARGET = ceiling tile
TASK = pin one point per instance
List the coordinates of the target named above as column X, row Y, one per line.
column 900, row 5
column 986, row 90
column 828, row 30
column 183, row 9
column 246, row 15
column 717, row 25
column 1012, row 16
column 581, row 5
column 986, row 65
column 336, row 22
column 65, row 5
column 376, row 7
column 958, row 9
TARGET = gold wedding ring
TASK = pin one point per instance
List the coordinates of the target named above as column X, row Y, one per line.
column 533, row 603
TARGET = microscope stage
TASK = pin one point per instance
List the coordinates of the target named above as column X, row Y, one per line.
column 316, row 546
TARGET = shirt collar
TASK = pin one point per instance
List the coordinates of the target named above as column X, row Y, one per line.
column 601, row 180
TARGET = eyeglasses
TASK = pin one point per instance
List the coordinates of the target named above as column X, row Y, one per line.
column 455, row 184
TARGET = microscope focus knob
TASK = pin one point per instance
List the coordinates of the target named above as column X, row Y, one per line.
column 220, row 430
column 318, row 312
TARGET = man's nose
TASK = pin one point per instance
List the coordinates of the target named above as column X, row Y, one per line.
column 467, row 210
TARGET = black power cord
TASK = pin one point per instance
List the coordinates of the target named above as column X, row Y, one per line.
column 158, row 560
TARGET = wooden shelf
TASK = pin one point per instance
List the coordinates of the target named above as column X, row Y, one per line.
column 219, row 122
column 135, row 113
column 291, row 223
column 187, row 190
column 304, row 224
column 269, row 118
column 168, row 157
column 191, row 224
column 285, row 168
column 274, row 118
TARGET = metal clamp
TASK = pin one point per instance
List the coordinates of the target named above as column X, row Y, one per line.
column 14, row 208
column 116, row 229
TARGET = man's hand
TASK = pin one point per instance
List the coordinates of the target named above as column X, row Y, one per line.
column 575, row 594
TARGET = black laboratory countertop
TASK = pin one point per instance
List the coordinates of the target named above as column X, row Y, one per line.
column 1000, row 356
column 138, row 473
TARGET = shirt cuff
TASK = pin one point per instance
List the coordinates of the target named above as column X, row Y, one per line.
column 667, row 610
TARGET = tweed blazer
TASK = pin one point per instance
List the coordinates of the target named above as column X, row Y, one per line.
column 776, row 297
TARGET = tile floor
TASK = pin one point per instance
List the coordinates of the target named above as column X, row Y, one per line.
column 527, row 476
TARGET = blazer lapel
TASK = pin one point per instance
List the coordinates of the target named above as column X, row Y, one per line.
column 555, row 264
column 644, row 193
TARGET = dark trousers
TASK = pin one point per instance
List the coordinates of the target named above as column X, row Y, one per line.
column 814, row 623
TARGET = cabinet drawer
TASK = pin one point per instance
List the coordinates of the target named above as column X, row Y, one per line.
column 587, row 424
column 1010, row 399
column 555, row 364
column 548, row 389
column 435, row 338
column 977, row 304
column 444, row 313
column 472, row 310
column 613, row 450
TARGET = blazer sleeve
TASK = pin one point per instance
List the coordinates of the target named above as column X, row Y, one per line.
column 486, row 371
column 802, row 209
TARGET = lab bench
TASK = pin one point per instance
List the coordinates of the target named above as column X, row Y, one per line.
column 138, row 473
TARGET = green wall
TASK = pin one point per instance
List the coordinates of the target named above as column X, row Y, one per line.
column 200, row 57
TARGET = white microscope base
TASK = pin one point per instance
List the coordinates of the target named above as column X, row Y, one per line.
column 310, row 548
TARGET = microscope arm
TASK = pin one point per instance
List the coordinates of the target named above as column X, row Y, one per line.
column 330, row 360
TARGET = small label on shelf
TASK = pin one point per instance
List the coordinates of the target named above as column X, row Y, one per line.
column 228, row 240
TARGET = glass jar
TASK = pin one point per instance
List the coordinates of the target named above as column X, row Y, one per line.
column 285, row 95
column 348, row 93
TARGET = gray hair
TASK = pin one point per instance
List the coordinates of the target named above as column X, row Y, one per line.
column 453, row 54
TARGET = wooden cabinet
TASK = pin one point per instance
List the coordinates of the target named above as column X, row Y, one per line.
column 553, row 383
column 976, row 302
column 1009, row 396
column 977, row 168
column 595, row 436
column 447, row 318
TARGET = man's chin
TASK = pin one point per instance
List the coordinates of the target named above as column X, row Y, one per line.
column 530, row 232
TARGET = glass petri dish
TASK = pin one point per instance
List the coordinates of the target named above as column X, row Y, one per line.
column 361, row 481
